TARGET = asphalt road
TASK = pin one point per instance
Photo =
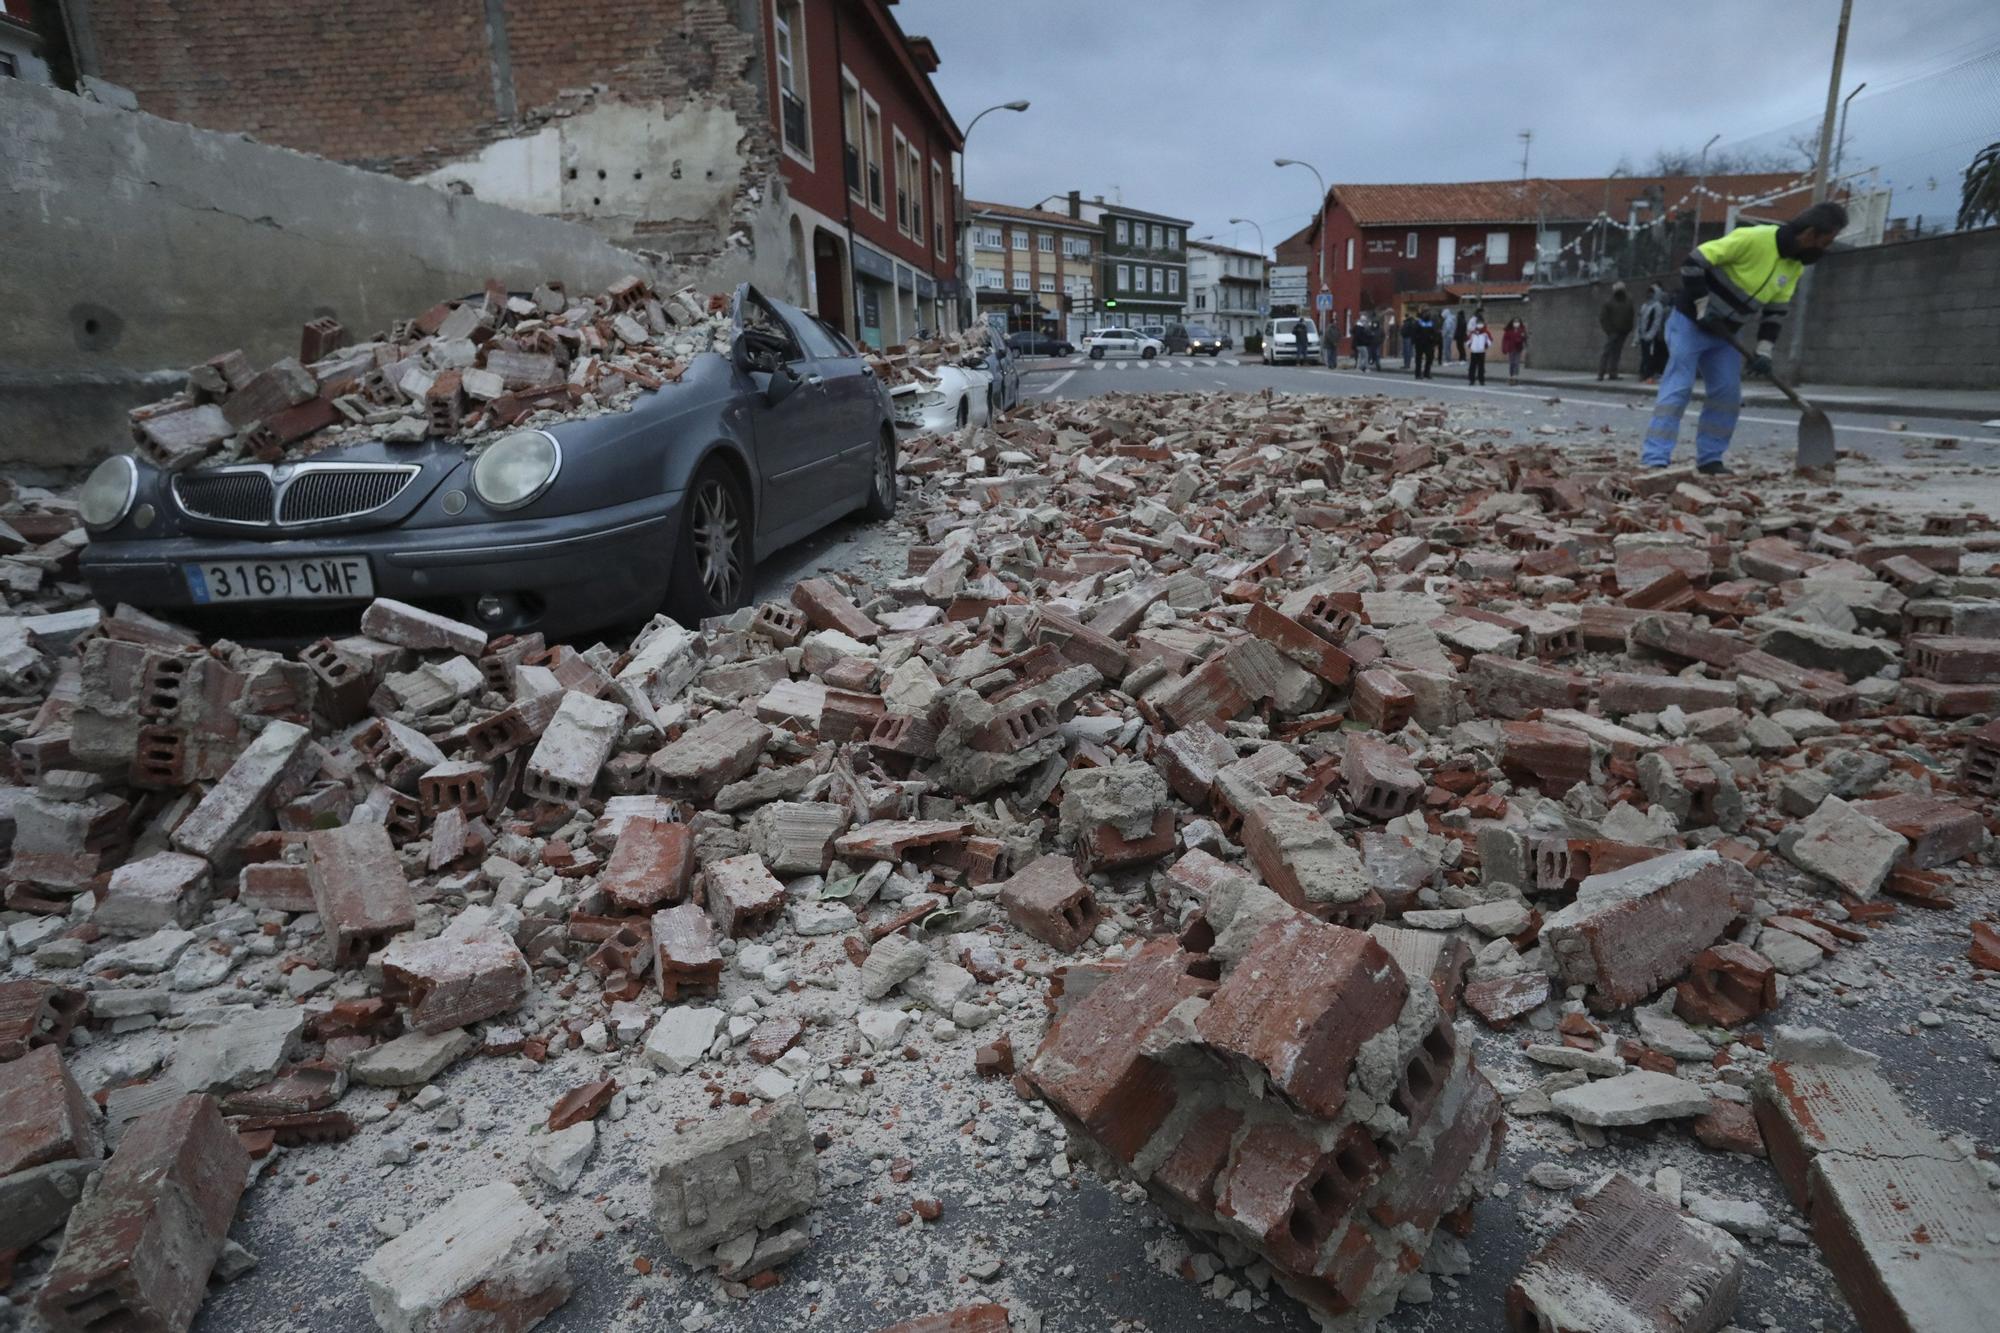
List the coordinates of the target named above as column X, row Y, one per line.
column 1764, row 435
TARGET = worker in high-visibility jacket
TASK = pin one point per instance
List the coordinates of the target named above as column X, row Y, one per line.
column 1751, row 272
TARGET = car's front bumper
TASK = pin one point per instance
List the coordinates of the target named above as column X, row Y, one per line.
column 558, row 575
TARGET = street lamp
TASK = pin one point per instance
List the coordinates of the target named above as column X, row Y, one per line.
column 965, row 223
column 1840, row 144
column 1319, row 212
column 1701, row 186
column 1263, row 289
column 1246, row 222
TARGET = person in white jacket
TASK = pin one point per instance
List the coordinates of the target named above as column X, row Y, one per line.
column 1653, row 334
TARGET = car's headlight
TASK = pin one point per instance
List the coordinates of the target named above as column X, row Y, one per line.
column 108, row 493
column 516, row 468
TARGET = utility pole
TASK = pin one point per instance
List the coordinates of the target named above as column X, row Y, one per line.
column 1826, row 124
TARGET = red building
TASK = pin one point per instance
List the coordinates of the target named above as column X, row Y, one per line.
column 867, row 159
column 1387, row 247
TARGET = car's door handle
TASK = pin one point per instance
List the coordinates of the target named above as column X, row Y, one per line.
column 813, row 379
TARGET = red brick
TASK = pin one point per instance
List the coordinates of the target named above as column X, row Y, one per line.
column 1500, row 1000
column 1632, row 931
column 582, row 1103
column 44, row 1116
column 1381, row 781
column 1301, row 1014
column 1727, row 985
column 1545, row 756
column 743, row 897
column 1299, row 643
column 685, row 956
column 1629, row 1256
column 827, row 607
column 140, row 1246
column 1381, row 701
column 359, row 889
column 34, row 1014
column 1047, row 899
column 1729, row 1127
column 1078, row 642
column 983, row 1318
column 449, row 982
column 895, row 839
column 1106, row 848
column 1509, row 688
column 1979, row 769
column 649, row 867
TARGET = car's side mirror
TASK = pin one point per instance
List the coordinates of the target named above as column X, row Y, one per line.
column 780, row 387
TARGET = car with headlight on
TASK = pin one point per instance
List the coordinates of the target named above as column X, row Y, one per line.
column 944, row 399
column 582, row 525
column 1121, row 342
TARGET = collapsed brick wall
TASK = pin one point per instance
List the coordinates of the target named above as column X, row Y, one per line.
column 402, row 88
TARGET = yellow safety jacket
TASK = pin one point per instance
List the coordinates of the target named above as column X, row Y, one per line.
column 1741, row 274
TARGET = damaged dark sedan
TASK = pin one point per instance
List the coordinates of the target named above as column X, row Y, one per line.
column 578, row 524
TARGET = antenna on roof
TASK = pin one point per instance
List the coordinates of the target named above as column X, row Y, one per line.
column 1527, row 138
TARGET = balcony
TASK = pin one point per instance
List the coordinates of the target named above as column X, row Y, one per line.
column 794, row 115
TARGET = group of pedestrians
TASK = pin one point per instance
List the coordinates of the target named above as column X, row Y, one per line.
column 1620, row 321
column 1428, row 335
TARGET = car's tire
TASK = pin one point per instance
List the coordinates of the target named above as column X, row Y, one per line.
column 714, row 567
column 964, row 411
column 881, row 502
column 1147, row 354
column 1097, row 354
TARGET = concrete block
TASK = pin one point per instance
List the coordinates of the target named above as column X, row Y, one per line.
column 739, row 1170
column 360, row 890
column 486, row 1262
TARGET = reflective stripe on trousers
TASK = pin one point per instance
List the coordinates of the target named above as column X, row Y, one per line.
column 1690, row 351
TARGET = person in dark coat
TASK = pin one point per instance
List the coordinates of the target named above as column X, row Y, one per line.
column 1301, row 331
column 1409, row 339
column 1616, row 319
column 1428, row 338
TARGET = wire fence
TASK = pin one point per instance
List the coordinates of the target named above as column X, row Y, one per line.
column 1901, row 157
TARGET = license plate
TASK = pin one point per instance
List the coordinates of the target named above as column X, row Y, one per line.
column 316, row 579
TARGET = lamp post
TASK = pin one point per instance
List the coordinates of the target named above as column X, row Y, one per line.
column 1701, row 186
column 1263, row 257
column 965, row 223
column 1319, row 212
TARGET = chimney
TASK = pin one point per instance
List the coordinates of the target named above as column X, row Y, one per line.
column 1075, row 205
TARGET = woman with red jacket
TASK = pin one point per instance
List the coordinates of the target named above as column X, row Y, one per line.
column 1514, row 341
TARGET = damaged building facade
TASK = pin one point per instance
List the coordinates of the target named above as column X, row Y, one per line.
column 795, row 142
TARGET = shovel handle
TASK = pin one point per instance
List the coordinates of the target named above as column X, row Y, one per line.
column 1783, row 387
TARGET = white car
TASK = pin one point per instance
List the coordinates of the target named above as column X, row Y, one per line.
column 1282, row 344
column 1121, row 342
column 944, row 400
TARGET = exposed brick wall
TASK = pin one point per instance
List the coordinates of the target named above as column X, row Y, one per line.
column 404, row 88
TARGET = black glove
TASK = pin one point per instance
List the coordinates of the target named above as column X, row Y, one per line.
column 1759, row 367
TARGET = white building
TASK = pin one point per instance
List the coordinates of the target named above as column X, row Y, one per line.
column 1228, row 290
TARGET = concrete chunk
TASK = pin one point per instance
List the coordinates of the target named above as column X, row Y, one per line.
column 484, row 1263
column 739, row 1170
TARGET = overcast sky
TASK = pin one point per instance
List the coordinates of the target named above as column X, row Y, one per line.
column 1179, row 106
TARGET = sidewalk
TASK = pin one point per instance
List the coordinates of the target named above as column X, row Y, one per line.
column 1965, row 404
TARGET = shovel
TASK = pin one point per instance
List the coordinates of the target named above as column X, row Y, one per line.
column 1815, row 455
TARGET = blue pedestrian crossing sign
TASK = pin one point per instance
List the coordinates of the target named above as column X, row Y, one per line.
column 1325, row 301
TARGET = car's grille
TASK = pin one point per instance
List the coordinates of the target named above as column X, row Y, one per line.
column 340, row 493
column 229, row 497
column 256, row 496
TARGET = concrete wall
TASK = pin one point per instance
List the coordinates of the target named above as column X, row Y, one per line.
column 1921, row 314
column 137, row 247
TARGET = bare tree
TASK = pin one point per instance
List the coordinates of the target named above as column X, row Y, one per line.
column 1721, row 162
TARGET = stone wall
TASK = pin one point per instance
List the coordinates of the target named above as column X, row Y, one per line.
column 1922, row 314
column 139, row 246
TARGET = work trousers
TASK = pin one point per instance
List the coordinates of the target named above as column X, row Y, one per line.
column 1426, row 358
column 1475, row 368
column 1691, row 351
column 1513, row 366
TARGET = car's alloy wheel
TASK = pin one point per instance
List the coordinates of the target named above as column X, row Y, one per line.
column 718, row 541
column 881, row 502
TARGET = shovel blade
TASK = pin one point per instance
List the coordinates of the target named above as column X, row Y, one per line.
column 1815, row 442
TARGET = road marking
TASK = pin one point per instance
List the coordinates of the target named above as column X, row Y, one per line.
column 1056, row 383
column 1609, row 405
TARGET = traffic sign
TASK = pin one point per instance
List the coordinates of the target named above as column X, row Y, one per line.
column 1325, row 301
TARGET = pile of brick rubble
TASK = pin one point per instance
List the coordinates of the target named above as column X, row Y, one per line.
column 1229, row 758
column 464, row 370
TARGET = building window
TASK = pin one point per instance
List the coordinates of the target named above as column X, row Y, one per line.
column 1045, row 243
column 1157, row 242
column 916, row 195
column 1173, row 238
column 1499, row 248
column 1121, row 231
column 1048, row 282
column 795, row 115
column 1200, row 301
column 986, row 238
column 902, row 160
column 1409, row 245
column 1350, row 254
column 1173, row 282
column 991, row 278
column 850, row 129
column 871, row 148
column 1020, row 239
column 1020, row 282
column 1124, row 278
column 937, row 206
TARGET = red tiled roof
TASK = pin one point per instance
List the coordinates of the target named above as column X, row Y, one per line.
column 1044, row 216
column 1545, row 199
